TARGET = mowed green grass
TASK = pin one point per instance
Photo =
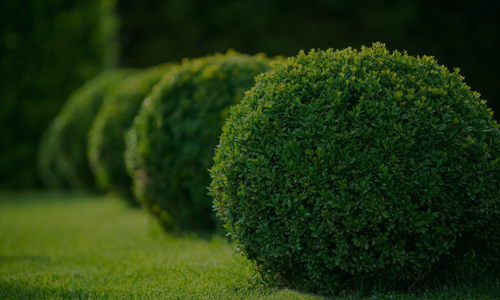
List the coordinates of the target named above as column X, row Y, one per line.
column 81, row 246
column 67, row 246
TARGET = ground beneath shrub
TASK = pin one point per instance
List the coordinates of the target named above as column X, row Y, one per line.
column 82, row 246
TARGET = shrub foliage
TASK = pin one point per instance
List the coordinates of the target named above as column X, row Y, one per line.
column 106, row 143
column 170, row 145
column 347, row 167
column 62, row 157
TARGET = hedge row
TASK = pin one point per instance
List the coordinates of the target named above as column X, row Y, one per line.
column 105, row 139
column 62, row 156
column 183, row 109
column 332, row 169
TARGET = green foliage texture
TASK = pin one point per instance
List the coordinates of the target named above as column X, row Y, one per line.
column 170, row 145
column 342, row 168
column 47, row 49
column 62, row 158
column 106, row 143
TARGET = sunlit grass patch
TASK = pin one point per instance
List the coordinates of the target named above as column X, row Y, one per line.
column 83, row 246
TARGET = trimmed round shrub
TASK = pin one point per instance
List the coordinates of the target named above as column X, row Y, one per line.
column 170, row 146
column 106, row 137
column 62, row 157
column 347, row 168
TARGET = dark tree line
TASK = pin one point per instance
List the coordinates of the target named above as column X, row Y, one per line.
column 461, row 33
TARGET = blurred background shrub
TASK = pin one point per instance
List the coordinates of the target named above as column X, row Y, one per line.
column 106, row 143
column 171, row 143
column 47, row 49
column 63, row 159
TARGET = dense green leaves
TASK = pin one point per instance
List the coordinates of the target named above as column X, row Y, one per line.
column 343, row 167
column 62, row 158
column 170, row 146
column 106, row 143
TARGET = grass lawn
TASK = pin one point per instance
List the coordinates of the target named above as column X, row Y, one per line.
column 81, row 246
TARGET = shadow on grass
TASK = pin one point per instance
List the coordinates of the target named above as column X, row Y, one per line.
column 4, row 259
column 23, row 292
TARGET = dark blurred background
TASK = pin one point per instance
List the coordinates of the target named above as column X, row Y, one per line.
column 49, row 47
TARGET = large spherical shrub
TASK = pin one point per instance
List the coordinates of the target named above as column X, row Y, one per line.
column 106, row 143
column 359, row 167
column 170, row 145
column 62, row 157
